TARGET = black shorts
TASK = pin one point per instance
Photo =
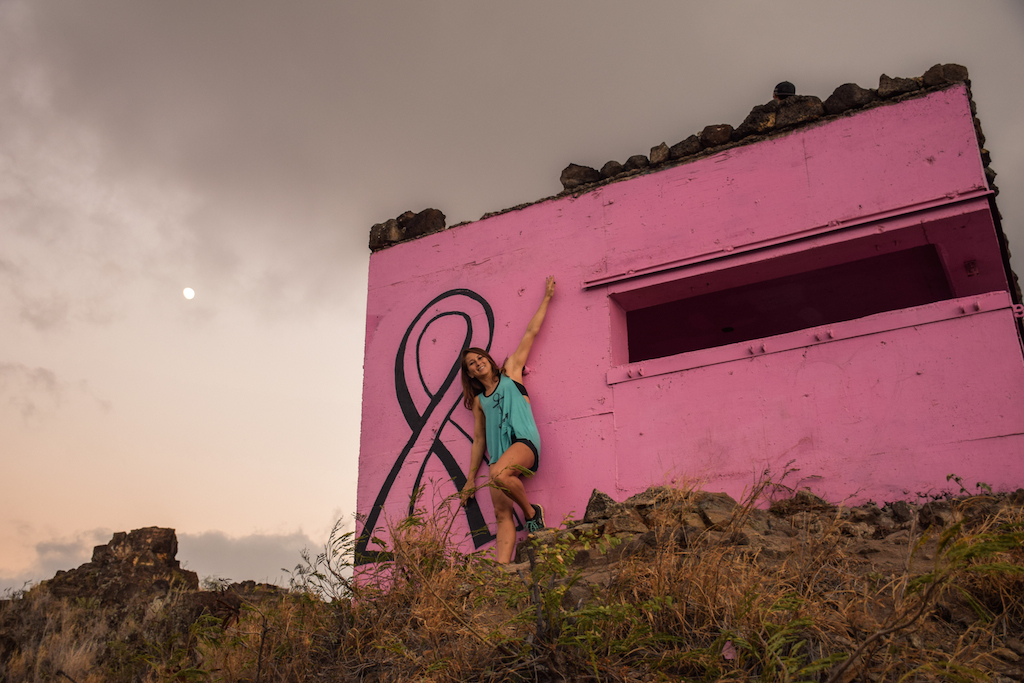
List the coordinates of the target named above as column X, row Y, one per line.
column 532, row 447
column 536, row 454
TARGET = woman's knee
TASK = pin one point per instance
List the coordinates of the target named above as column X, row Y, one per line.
column 499, row 498
column 501, row 480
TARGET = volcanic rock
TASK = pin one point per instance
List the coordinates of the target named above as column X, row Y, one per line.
column 659, row 154
column 611, row 169
column 636, row 162
column 941, row 74
column 575, row 175
column 139, row 562
column 798, row 109
column 713, row 136
column 891, row 87
column 687, row 147
column 848, row 96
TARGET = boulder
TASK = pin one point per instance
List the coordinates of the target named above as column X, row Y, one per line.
column 648, row 498
column 797, row 110
column 680, row 536
column 423, row 223
column 757, row 520
column 891, row 87
column 857, row 529
column 938, row 513
column 575, row 175
column 385, row 234
column 901, row 512
column 611, row 169
column 806, row 521
column 671, row 516
column 687, row 147
column 761, row 119
column 141, row 562
column 809, row 501
column 848, row 96
column 713, row 136
column 940, row 74
column 636, row 162
column 405, row 227
column 715, row 509
column 626, row 520
column 599, row 507
column 864, row 514
column 660, row 154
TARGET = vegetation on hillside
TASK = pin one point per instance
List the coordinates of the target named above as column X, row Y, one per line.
column 695, row 604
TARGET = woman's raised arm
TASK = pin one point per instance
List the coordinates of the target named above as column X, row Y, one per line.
column 514, row 365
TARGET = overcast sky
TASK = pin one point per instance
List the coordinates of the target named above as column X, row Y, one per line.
column 244, row 149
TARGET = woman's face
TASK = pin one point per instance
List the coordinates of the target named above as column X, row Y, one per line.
column 478, row 366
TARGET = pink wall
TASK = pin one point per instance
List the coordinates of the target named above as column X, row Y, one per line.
column 880, row 407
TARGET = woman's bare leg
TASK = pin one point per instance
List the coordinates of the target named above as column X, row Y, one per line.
column 507, row 488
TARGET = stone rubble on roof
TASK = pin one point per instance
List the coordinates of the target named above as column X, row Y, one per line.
column 777, row 116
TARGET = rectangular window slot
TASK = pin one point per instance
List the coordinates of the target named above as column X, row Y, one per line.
column 886, row 282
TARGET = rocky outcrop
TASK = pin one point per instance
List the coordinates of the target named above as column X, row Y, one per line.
column 798, row 110
column 575, row 175
column 406, row 227
column 660, row 154
column 715, row 136
column 774, row 117
column 693, row 521
column 685, row 148
column 611, row 169
column 637, row 162
column 140, row 562
column 849, row 96
column 893, row 87
column 760, row 120
column 781, row 115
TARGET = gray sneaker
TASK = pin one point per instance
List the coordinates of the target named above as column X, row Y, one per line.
column 537, row 523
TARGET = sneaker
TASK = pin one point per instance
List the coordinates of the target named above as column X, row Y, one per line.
column 537, row 523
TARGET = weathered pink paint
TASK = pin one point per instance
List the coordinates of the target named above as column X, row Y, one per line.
column 879, row 407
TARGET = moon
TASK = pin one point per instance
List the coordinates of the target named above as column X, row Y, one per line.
column 189, row 292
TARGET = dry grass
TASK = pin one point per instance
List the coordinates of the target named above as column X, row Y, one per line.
column 707, row 610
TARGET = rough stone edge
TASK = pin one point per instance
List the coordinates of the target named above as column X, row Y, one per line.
column 704, row 153
column 923, row 91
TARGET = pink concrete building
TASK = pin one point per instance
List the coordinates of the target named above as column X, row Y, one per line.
column 833, row 294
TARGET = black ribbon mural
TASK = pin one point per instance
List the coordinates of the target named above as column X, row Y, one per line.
column 436, row 414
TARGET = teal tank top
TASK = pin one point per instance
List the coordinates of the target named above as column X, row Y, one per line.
column 508, row 417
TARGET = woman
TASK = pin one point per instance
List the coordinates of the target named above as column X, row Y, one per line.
column 503, row 422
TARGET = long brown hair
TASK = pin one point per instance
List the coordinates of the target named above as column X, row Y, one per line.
column 470, row 385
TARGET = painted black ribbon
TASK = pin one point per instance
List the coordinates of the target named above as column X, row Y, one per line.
column 417, row 422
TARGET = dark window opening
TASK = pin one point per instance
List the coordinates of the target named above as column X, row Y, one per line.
column 888, row 282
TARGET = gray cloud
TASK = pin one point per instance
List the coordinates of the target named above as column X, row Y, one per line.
column 31, row 391
column 259, row 557
column 288, row 131
column 39, row 392
column 54, row 555
column 213, row 554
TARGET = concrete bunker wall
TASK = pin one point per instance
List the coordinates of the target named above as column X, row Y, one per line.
column 881, row 406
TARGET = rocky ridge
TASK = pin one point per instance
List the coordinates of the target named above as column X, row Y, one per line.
column 764, row 121
column 694, row 521
column 687, row 563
